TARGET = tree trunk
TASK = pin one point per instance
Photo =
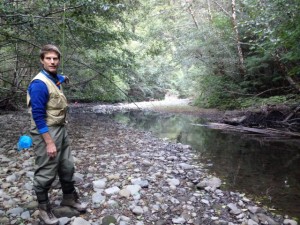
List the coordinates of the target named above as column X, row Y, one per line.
column 241, row 65
column 192, row 14
column 284, row 73
column 237, row 38
column 209, row 11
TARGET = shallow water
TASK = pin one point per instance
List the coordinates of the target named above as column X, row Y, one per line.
column 267, row 169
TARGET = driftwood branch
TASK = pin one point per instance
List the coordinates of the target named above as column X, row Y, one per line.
column 293, row 83
column 272, row 89
column 267, row 131
column 238, row 93
column 291, row 114
column 255, row 95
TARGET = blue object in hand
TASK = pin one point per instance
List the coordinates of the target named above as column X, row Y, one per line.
column 24, row 142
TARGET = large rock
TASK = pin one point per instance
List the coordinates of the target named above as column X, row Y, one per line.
column 234, row 209
column 65, row 212
column 290, row 222
column 80, row 221
column 213, row 183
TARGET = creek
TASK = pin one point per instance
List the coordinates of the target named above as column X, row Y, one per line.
column 265, row 169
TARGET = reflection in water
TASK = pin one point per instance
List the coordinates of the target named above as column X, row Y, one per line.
column 268, row 169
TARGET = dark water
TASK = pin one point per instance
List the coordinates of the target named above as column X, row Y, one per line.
column 267, row 170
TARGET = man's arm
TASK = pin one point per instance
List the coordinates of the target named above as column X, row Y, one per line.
column 39, row 97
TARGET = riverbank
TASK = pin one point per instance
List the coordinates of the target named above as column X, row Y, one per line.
column 127, row 176
column 172, row 106
column 282, row 117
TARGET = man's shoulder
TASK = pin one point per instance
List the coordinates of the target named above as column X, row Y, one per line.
column 39, row 76
column 37, row 83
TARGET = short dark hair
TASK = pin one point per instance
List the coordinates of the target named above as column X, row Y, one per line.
column 49, row 48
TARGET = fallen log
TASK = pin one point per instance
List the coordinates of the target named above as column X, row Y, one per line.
column 291, row 114
column 266, row 131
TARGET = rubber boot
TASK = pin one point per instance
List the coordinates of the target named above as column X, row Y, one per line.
column 72, row 200
column 46, row 214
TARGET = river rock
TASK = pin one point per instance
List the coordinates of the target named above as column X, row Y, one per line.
column 234, row 209
column 185, row 166
column 173, row 182
column 99, row 184
column 178, row 220
column 255, row 209
column 133, row 189
column 266, row 219
column 251, row 222
column 107, row 220
column 137, row 210
column 205, row 201
column 124, row 193
column 5, row 185
column 65, row 211
column 11, row 178
column 4, row 220
column 25, row 215
column 97, row 198
column 31, row 205
column 9, row 204
column 139, row 181
column 80, row 221
column 15, row 211
column 64, row 220
column 112, row 190
column 290, row 222
column 213, row 182
column 28, row 186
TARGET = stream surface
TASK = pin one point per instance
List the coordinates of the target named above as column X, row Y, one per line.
column 266, row 169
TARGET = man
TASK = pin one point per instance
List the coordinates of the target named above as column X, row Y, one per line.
column 48, row 107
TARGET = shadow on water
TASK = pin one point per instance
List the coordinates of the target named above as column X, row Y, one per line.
column 266, row 169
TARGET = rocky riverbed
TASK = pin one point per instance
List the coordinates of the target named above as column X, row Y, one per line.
column 126, row 176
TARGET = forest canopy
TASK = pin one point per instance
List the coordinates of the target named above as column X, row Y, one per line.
column 223, row 54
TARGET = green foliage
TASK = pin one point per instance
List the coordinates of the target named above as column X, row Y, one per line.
column 272, row 28
column 195, row 46
column 92, row 36
column 217, row 93
column 221, row 22
column 289, row 99
column 149, row 48
column 262, row 74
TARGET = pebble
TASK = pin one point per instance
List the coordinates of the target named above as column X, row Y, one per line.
column 178, row 220
column 99, row 184
column 112, row 190
column 234, row 209
column 137, row 210
column 80, row 221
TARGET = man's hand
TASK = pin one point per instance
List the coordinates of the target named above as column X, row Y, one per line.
column 51, row 150
column 50, row 145
column 67, row 80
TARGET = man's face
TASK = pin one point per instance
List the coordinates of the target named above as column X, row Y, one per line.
column 50, row 62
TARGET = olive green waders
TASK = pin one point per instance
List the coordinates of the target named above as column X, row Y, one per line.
column 47, row 168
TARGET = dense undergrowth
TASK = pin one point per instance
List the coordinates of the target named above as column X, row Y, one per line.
column 224, row 103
